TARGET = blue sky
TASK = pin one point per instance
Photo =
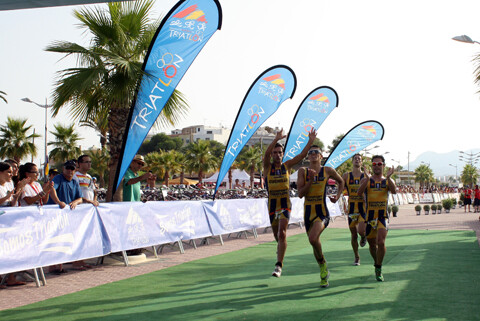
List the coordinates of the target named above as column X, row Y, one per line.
column 389, row 61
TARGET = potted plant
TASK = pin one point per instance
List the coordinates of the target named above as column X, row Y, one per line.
column 389, row 209
column 418, row 208
column 447, row 204
column 439, row 208
column 426, row 208
column 460, row 204
column 394, row 210
column 434, row 209
column 454, row 203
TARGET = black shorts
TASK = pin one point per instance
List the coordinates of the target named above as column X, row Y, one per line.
column 476, row 202
column 467, row 201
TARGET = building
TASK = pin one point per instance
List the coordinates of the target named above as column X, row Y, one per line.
column 197, row 132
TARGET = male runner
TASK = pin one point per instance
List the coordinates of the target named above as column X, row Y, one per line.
column 356, row 209
column 277, row 176
column 376, row 190
column 312, row 182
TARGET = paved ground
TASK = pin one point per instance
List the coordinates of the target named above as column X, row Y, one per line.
column 111, row 271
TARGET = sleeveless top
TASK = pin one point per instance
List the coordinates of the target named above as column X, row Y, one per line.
column 278, row 186
column 355, row 202
column 316, row 194
column 377, row 198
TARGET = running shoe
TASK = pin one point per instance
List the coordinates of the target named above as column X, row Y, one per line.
column 277, row 272
column 363, row 241
column 378, row 274
column 324, row 275
column 357, row 261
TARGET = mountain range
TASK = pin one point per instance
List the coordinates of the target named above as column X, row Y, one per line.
column 439, row 162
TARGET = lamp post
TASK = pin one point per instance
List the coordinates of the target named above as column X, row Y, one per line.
column 367, row 151
column 465, row 39
column 456, row 176
column 46, row 106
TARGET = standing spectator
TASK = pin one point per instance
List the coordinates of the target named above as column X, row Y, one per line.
column 66, row 190
column 85, row 180
column 33, row 193
column 476, row 202
column 52, row 173
column 131, row 181
column 8, row 197
column 467, row 198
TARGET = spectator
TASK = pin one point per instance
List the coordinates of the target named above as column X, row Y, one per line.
column 85, row 180
column 131, row 181
column 33, row 193
column 52, row 173
column 9, row 195
column 66, row 190
column 14, row 165
column 237, row 184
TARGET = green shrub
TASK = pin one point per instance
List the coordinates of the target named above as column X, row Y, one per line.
column 434, row 207
column 426, row 208
column 418, row 208
column 447, row 203
column 394, row 208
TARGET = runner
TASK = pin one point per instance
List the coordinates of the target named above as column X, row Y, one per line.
column 312, row 182
column 356, row 209
column 277, row 176
column 376, row 190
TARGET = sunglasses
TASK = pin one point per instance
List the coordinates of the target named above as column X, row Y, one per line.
column 70, row 168
column 34, row 172
column 313, row 151
column 377, row 164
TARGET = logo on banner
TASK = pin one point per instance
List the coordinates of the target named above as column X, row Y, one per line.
column 61, row 239
column 136, row 232
column 250, row 215
column 353, row 146
column 307, row 125
column 367, row 132
column 255, row 113
column 318, row 103
column 273, row 87
column 190, row 24
column 169, row 64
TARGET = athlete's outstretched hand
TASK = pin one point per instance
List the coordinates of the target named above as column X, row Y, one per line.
column 390, row 172
column 280, row 135
column 312, row 134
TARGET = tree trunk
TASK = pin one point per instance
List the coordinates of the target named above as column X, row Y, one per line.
column 117, row 120
column 230, row 178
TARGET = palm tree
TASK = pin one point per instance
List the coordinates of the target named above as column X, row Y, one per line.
column 109, row 70
column 251, row 160
column 65, row 143
column 424, row 175
column 100, row 159
column 199, row 158
column 15, row 142
column 469, row 175
column 155, row 163
column 2, row 94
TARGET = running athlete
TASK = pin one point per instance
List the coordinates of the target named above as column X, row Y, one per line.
column 277, row 176
column 356, row 209
column 312, row 182
column 376, row 190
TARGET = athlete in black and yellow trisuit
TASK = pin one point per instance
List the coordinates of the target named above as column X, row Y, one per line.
column 376, row 190
column 312, row 182
column 355, row 207
column 278, row 185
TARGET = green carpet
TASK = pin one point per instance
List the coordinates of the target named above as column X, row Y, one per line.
column 429, row 275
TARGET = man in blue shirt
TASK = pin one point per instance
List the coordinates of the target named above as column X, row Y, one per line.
column 66, row 190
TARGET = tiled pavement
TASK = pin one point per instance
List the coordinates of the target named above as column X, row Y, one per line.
column 74, row 281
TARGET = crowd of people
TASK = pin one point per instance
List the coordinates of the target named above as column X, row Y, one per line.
column 366, row 208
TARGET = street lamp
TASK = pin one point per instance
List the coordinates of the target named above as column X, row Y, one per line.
column 456, row 176
column 46, row 106
column 367, row 151
column 465, row 39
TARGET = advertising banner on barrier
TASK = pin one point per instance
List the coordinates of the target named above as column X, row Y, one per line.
column 311, row 113
column 358, row 138
column 425, row 197
column 265, row 95
column 180, row 37
column 133, row 225
column 34, row 236
column 230, row 216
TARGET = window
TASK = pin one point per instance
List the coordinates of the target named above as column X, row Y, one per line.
column 209, row 132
